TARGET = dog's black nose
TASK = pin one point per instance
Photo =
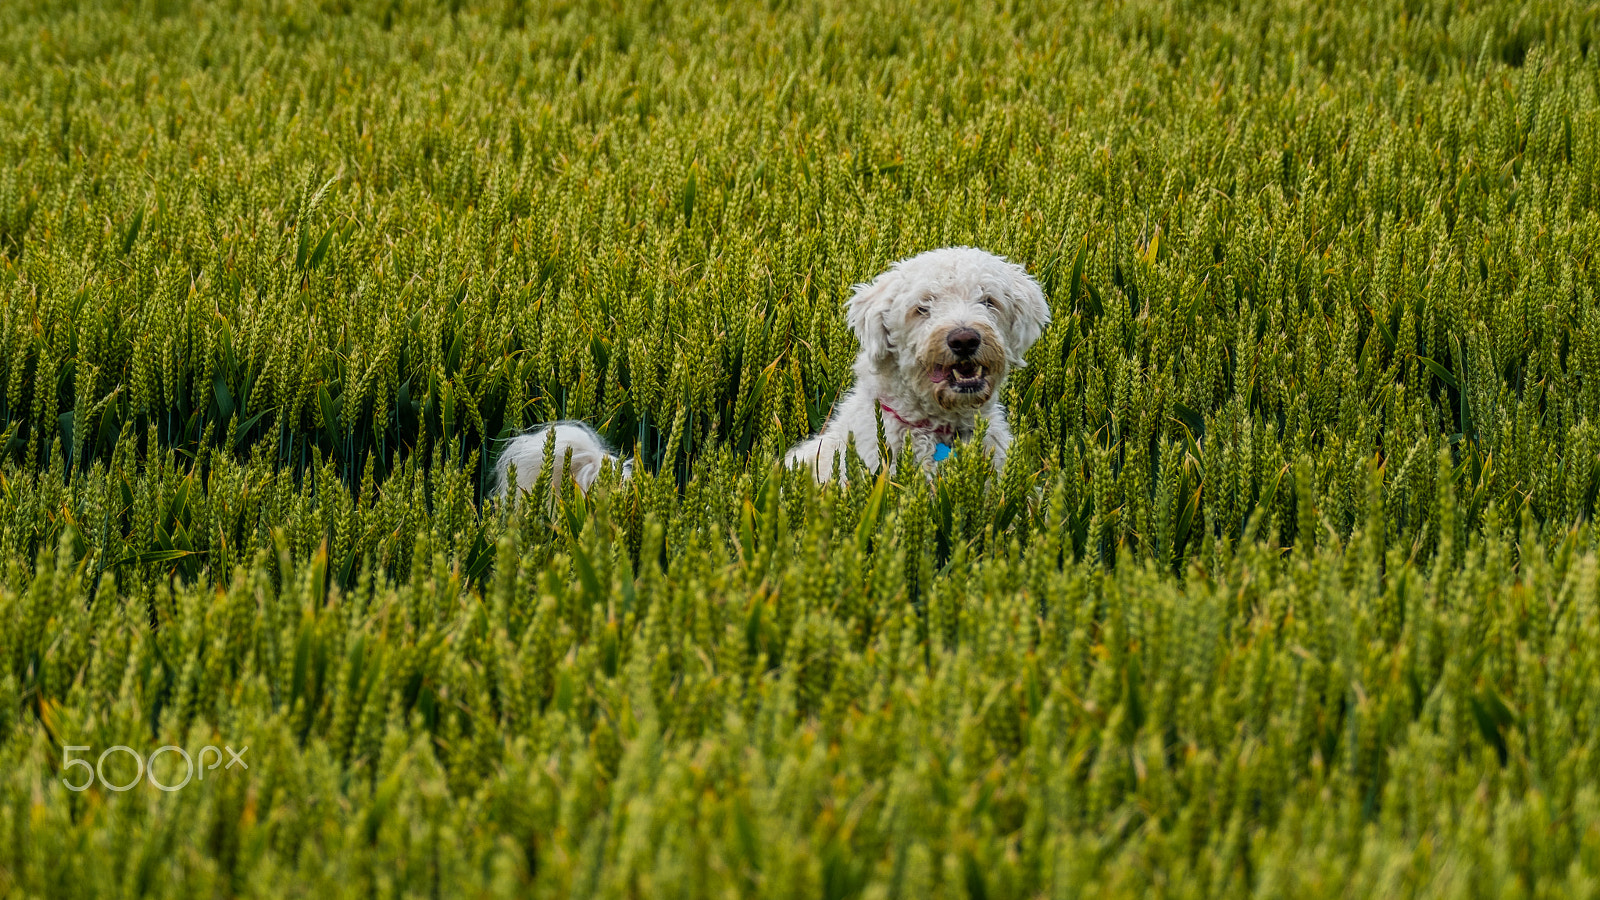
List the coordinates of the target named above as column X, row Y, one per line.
column 964, row 342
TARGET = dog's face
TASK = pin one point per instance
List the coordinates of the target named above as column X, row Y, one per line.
column 953, row 322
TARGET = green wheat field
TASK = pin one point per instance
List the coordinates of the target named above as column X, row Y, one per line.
column 1289, row 587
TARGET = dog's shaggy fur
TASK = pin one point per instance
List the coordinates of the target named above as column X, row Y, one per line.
column 939, row 333
column 527, row 452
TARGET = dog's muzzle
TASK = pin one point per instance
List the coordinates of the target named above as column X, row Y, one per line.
column 965, row 366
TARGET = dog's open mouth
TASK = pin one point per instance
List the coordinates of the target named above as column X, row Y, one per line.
column 966, row 376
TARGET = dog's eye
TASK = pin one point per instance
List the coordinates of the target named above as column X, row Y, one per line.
column 922, row 310
column 991, row 303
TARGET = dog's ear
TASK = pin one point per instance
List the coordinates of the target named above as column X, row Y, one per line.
column 867, row 315
column 1029, row 315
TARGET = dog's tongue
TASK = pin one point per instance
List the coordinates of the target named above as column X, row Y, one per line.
column 939, row 374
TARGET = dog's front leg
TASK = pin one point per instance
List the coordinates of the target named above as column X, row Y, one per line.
column 997, row 438
column 921, row 446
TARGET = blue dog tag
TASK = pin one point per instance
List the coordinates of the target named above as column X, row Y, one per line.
column 941, row 452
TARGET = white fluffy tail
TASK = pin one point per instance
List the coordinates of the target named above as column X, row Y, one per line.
column 527, row 451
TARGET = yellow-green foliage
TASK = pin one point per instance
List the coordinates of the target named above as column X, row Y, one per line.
column 1288, row 589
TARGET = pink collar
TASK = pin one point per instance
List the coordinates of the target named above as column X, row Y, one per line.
column 924, row 425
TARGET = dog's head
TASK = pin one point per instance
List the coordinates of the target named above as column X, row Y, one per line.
column 952, row 321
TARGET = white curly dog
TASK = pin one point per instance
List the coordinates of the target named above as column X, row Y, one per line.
column 939, row 332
